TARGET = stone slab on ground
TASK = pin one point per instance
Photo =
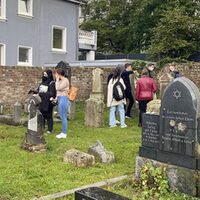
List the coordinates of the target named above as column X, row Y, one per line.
column 100, row 153
column 78, row 158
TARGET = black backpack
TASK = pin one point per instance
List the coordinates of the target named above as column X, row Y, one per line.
column 118, row 91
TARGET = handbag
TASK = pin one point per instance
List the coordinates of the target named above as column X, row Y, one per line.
column 72, row 93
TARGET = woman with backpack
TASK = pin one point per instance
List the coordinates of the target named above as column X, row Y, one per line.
column 116, row 97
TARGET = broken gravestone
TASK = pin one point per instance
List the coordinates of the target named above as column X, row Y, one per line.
column 78, row 158
column 34, row 137
column 100, row 153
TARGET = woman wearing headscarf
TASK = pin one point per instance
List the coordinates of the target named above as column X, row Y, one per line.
column 47, row 92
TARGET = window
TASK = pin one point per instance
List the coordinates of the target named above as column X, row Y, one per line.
column 2, row 54
column 2, row 9
column 25, row 7
column 24, row 55
column 59, row 39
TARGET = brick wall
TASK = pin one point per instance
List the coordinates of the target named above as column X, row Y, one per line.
column 15, row 82
column 189, row 70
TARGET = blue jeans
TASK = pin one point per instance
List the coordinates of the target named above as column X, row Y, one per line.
column 112, row 116
column 63, row 103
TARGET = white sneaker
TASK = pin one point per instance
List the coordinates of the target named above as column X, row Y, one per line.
column 61, row 135
column 117, row 122
column 112, row 126
column 49, row 132
column 124, row 126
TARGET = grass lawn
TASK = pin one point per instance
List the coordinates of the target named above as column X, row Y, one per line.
column 25, row 175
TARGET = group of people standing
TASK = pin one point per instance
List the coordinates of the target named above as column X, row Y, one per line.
column 145, row 90
column 55, row 90
column 54, row 93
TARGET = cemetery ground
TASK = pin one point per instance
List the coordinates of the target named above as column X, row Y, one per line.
column 25, row 175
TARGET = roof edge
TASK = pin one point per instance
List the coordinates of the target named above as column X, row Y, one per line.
column 78, row 1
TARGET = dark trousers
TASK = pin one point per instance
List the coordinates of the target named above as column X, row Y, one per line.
column 143, row 109
column 130, row 101
column 49, row 118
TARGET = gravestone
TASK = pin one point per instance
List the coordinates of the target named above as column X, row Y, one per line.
column 164, row 81
column 94, row 115
column 34, row 137
column 78, row 158
column 1, row 107
column 67, row 69
column 17, row 110
column 100, row 153
column 96, row 193
column 153, row 107
column 173, row 137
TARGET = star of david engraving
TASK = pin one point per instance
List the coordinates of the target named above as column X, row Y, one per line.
column 177, row 94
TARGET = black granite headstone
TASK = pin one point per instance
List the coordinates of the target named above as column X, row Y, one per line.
column 174, row 136
column 150, row 130
column 95, row 193
column 178, row 117
column 66, row 67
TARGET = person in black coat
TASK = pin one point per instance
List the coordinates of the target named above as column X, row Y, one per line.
column 47, row 92
column 128, row 92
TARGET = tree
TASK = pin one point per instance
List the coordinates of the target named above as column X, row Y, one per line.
column 177, row 35
column 132, row 26
column 109, row 18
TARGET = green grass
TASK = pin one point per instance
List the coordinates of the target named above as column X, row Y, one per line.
column 24, row 175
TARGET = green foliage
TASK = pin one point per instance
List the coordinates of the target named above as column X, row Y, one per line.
column 110, row 20
column 167, row 60
column 153, row 182
column 175, row 36
column 164, row 28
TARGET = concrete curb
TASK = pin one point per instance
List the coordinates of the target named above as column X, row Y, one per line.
column 68, row 192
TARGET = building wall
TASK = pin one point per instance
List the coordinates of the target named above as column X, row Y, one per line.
column 15, row 82
column 36, row 32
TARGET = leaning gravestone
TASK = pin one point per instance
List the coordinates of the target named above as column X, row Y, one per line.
column 172, row 138
column 94, row 115
column 34, row 138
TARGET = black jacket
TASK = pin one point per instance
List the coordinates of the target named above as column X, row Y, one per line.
column 126, row 79
column 46, row 91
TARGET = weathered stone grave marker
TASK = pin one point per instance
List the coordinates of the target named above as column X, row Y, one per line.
column 94, row 115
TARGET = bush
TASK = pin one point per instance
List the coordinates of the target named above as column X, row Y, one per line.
column 153, row 182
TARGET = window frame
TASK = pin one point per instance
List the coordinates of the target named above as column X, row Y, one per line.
column 30, row 56
column 3, row 54
column 3, row 10
column 26, row 14
column 64, row 39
